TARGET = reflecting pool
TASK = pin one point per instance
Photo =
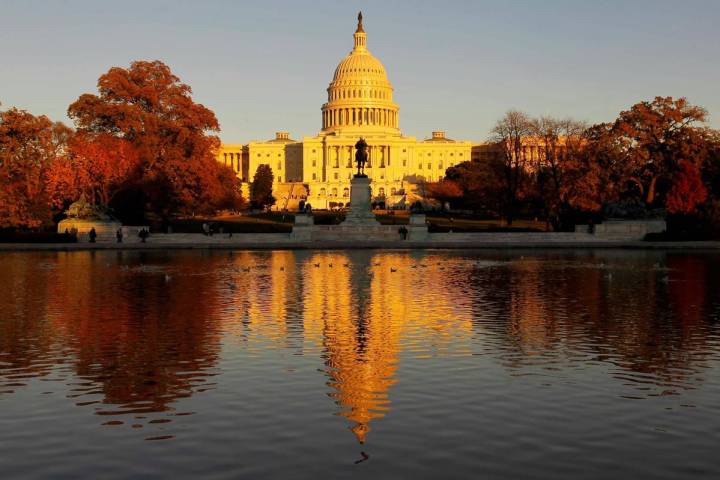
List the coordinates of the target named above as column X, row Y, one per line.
column 355, row 364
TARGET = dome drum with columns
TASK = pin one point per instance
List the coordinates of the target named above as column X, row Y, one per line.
column 318, row 169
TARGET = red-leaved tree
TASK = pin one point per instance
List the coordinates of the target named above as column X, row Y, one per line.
column 444, row 191
column 98, row 167
column 687, row 190
column 28, row 145
column 174, row 137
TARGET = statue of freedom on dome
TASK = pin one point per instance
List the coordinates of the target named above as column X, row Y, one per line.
column 361, row 157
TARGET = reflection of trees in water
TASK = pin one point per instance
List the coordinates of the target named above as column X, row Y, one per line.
column 646, row 314
column 26, row 337
column 139, row 335
column 153, row 338
column 139, row 340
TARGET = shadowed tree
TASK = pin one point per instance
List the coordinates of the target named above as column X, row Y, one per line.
column 562, row 176
column 147, row 106
column 97, row 167
column 687, row 190
column 656, row 137
column 445, row 191
column 28, row 145
column 511, row 133
column 481, row 183
column 262, row 187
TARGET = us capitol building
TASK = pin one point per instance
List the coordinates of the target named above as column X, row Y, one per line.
column 318, row 169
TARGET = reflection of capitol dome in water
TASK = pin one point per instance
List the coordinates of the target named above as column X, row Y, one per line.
column 360, row 94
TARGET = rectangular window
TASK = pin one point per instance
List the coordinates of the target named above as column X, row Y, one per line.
column 314, row 177
column 429, row 166
column 419, row 166
column 336, row 175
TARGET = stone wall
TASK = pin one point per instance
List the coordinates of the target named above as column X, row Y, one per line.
column 625, row 229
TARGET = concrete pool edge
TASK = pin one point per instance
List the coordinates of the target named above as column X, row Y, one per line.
column 353, row 245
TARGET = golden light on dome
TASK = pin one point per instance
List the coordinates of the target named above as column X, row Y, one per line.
column 360, row 96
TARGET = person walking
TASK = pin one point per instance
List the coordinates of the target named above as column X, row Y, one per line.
column 119, row 235
column 92, row 235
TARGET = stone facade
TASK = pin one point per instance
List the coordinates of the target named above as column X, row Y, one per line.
column 318, row 169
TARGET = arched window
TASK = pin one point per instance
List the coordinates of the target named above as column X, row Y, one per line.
column 393, row 191
column 322, row 192
column 346, row 192
column 334, row 192
column 381, row 192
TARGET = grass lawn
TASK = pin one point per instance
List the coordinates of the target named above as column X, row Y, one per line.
column 251, row 223
column 469, row 223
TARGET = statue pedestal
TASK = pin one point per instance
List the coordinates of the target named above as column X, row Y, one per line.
column 417, row 228
column 105, row 230
column 302, row 229
column 360, row 212
column 359, row 225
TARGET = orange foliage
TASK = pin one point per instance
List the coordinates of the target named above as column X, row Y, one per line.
column 147, row 106
column 657, row 136
column 28, row 144
column 687, row 191
column 97, row 167
column 443, row 191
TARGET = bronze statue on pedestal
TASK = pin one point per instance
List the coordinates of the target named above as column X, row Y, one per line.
column 361, row 157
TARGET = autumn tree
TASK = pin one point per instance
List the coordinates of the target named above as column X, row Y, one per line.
column 481, row 183
column 444, row 191
column 510, row 134
column 28, row 145
column 98, row 167
column 174, row 138
column 657, row 136
column 687, row 190
column 262, row 187
column 564, row 181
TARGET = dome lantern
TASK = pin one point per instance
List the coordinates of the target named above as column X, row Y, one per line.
column 360, row 36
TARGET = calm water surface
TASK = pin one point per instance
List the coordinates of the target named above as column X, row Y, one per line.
column 360, row 364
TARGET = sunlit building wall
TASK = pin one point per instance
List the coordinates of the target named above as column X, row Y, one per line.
column 318, row 168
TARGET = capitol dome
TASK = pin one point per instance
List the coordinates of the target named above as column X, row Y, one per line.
column 360, row 94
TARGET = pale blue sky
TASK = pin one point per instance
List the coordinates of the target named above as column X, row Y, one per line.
column 458, row 65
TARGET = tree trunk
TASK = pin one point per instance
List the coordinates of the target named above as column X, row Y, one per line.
column 650, row 198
